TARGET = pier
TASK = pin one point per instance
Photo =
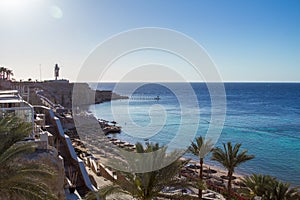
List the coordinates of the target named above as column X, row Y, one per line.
column 145, row 98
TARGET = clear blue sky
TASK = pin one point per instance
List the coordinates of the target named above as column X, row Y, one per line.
column 255, row 40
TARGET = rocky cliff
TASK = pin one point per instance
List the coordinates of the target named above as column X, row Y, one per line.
column 60, row 92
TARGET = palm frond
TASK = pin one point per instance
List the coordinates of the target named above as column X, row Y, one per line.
column 15, row 151
column 149, row 184
column 12, row 130
column 106, row 191
column 21, row 180
column 27, row 188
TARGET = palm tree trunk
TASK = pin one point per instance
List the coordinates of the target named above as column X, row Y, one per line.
column 200, row 178
column 229, row 184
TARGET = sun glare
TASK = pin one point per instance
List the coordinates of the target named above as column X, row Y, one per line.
column 13, row 7
column 12, row 4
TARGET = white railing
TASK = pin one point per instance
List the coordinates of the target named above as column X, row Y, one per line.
column 74, row 156
column 83, row 171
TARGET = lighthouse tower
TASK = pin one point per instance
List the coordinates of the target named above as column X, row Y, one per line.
column 56, row 71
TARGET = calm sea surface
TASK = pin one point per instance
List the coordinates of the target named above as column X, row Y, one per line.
column 264, row 117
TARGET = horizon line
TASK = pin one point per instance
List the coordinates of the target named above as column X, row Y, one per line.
column 190, row 82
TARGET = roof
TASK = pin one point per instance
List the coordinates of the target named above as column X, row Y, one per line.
column 9, row 92
column 11, row 101
column 12, row 96
column 9, row 96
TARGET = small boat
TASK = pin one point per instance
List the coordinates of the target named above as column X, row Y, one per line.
column 157, row 98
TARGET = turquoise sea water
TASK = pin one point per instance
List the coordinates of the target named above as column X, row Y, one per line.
column 264, row 117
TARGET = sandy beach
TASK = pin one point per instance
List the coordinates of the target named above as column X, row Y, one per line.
column 212, row 173
column 215, row 174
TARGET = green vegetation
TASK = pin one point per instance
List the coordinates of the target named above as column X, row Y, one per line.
column 268, row 188
column 20, row 180
column 153, row 184
column 200, row 148
column 230, row 158
column 148, row 185
column 5, row 73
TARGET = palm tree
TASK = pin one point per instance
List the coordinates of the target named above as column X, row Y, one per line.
column 17, row 179
column 230, row 158
column 283, row 191
column 148, row 185
column 2, row 69
column 8, row 74
column 268, row 188
column 12, row 130
column 200, row 148
column 257, row 184
column 4, row 73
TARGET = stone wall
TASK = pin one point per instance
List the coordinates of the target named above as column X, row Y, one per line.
column 50, row 158
column 61, row 92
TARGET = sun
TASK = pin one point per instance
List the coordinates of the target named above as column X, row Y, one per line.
column 56, row 12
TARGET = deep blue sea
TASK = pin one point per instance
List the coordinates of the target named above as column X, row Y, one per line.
column 263, row 117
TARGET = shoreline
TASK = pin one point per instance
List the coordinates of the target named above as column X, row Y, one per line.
column 237, row 172
column 220, row 171
column 217, row 171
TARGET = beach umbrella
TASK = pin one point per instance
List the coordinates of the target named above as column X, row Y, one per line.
column 210, row 171
column 227, row 177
